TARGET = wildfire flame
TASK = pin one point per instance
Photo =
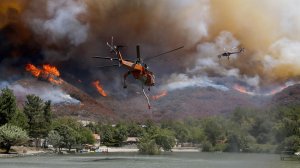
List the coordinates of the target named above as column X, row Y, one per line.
column 99, row 88
column 243, row 89
column 160, row 95
column 48, row 72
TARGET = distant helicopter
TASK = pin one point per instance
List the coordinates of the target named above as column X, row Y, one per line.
column 227, row 53
column 138, row 69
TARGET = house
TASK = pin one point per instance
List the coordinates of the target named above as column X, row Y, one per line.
column 97, row 139
column 131, row 140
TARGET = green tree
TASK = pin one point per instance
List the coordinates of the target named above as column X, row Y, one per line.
column 135, row 130
column 182, row 132
column 287, row 127
column 261, row 129
column 12, row 135
column 39, row 117
column 196, row 135
column 207, row 146
column 155, row 139
column 107, row 135
column 69, row 121
column 213, row 129
column 20, row 120
column 165, row 139
column 47, row 114
column 55, row 139
column 120, row 134
column 147, row 145
column 34, row 111
column 72, row 132
column 8, row 106
column 86, row 136
column 95, row 128
column 69, row 136
column 238, row 142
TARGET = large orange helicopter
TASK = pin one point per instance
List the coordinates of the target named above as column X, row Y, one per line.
column 137, row 69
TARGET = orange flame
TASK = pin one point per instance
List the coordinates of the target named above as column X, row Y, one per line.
column 51, row 70
column 270, row 93
column 279, row 89
column 160, row 95
column 48, row 72
column 33, row 69
column 99, row 88
column 242, row 89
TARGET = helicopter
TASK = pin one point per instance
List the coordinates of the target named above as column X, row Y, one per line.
column 227, row 53
column 139, row 70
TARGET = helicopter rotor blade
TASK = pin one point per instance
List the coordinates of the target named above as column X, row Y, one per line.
column 107, row 58
column 138, row 54
column 163, row 53
column 129, row 60
column 107, row 66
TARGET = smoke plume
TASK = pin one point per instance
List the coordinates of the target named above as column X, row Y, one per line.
column 67, row 33
column 55, row 95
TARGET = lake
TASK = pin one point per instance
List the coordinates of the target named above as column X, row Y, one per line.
column 167, row 160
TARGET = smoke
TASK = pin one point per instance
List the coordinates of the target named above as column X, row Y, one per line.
column 67, row 33
column 265, row 29
column 55, row 95
column 181, row 81
column 61, row 22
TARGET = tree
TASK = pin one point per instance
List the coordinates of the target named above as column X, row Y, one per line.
column 236, row 143
column 39, row 117
column 47, row 117
column 107, row 135
column 261, row 129
column 212, row 129
column 8, row 106
column 182, row 133
column 55, row 139
column 69, row 121
column 134, row 130
column 120, row 134
column 165, row 139
column 291, row 143
column 34, row 111
column 147, row 145
column 12, row 135
column 86, row 136
column 155, row 139
column 20, row 120
column 69, row 137
column 197, row 135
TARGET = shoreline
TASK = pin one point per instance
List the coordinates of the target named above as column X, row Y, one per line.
column 124, row 149
column 31, row 151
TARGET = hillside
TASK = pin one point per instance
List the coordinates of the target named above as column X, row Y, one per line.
column 288, row 96
column 192, row 102
column 67, row 100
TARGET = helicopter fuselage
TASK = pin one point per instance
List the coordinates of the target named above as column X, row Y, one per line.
column 139, row 72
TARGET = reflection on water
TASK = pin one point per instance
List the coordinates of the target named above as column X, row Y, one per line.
column 168, row 160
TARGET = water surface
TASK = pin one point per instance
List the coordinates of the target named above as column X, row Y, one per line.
column 134, row 160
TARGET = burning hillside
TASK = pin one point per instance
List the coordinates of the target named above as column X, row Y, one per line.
column 288, row 96
column 67, row 99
